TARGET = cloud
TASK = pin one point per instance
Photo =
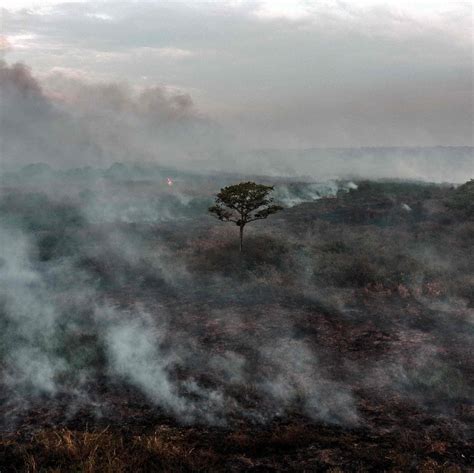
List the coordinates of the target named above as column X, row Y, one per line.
column 5, row 44
column 175, row 52
column 101, row 16
column 19, row 42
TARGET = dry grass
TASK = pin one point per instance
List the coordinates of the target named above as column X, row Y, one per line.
column 65, row 450
column 295, row 446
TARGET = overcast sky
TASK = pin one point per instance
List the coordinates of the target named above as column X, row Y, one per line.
column 281, row 74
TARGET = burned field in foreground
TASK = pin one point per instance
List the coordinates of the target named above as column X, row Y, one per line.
column 135, row 337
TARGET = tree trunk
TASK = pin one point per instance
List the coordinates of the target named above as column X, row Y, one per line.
column 241, row 227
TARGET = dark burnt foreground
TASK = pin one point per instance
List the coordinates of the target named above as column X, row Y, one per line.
column 340, row 341
column 146, row 442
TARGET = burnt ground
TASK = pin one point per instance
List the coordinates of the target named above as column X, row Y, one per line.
column 398, row 431
column 383, row 314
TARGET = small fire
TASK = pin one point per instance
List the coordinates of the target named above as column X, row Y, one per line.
column 169, row 181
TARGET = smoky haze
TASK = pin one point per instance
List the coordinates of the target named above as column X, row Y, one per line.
column 69, row 122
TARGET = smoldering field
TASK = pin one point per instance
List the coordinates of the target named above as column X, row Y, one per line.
column 124, row 304
column 104, row 286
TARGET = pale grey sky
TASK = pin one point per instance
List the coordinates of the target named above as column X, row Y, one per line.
column 280, row 74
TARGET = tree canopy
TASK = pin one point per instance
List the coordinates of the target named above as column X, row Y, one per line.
column 244, row 203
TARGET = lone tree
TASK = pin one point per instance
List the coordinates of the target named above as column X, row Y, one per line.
column 243, row 203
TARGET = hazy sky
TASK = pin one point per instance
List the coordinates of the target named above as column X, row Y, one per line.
column 279, row 73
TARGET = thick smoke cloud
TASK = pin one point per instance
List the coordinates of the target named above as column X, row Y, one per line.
column 72, row 123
